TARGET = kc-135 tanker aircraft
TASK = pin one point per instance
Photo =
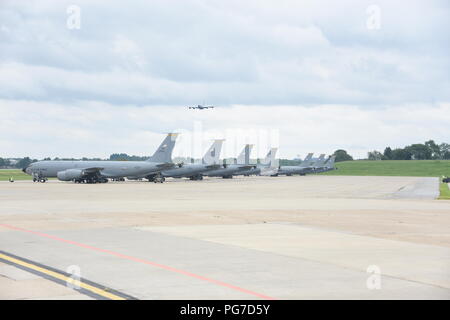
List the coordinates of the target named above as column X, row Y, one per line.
column 160, row 166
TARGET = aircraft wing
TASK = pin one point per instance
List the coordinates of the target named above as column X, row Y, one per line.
column 166, row 165
column 91, row 170
column 213, row 166
column 246, row 167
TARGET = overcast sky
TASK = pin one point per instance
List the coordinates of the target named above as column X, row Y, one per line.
column 301, row 75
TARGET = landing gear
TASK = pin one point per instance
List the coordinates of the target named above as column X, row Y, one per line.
column 227, row 177
column 39, row 178
column 92, row 180
column 196, row 178
column 156, row 178
column 159, row 179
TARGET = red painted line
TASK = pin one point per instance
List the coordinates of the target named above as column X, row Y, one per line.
column 154, row 264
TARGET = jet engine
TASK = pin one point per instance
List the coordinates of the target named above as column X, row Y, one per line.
column 70, row 174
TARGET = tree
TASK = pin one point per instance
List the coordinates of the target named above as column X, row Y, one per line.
column 4, row 162
column 419, row 151
column 444, row 151
column 23, row 163
column 401, row 154
column 387, row 154
column 342, row 155
column 435, row 150
column 119, row 157
column 375, row 155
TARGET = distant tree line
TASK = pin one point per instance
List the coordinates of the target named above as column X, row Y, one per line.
column 429, row 150
column 20, row 163
column 426, row 151
column 125, row 157
column 17, row 163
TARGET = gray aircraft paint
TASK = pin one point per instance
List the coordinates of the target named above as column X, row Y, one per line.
column 231, row 169
column 244, row 157
column 304, row 167
column 210, row 161
column 267, row 165
column 70, row 170
column 329, row 165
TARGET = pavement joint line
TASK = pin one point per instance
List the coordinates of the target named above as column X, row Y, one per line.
column 143, row 261
column 86, row 287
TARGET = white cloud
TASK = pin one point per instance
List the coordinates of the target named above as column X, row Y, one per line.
column 91, row 129
column 257, row 52
column 310, row 68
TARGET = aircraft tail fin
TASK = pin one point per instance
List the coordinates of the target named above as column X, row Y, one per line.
column 269, row 160
column 330, row 163
column 244, row 157
column 212, row 156
column 307, row 161
column 164, row 152
column 320, row 161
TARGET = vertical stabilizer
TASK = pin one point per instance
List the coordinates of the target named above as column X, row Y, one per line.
column 320, row 161
column 330, row 163
column 269, row 160
column 212, row 156
column 307, row 161
column 164, row 152
column 244, row 157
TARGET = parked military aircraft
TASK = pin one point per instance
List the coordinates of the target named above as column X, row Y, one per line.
column 306, row 166
column 200, row 107
column 228, row 170
column 328, row 166
column 101, row 171
column 265, row 167
column 194, row 171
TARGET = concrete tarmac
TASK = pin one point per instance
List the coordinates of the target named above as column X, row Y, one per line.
column 310, row 237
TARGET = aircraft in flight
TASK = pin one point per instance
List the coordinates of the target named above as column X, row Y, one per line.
column 101, row 171
column 200, row 107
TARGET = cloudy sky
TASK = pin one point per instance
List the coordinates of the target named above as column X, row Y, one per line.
column 301, row 75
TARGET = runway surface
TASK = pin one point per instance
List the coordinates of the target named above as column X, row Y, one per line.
column 247, row 238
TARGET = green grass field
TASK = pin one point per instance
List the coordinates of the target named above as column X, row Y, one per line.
column 412, row 168
column 17, row 174
column 444, row 191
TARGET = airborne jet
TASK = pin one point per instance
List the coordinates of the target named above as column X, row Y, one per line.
column 229, row 170
column 200, row 107
column 195, row 171
column 101, row 171
column 266, row 167
column 306, row 166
